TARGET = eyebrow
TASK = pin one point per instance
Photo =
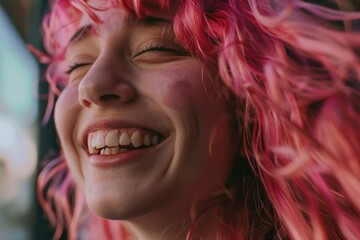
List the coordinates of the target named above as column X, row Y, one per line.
column 84, row 31
column 150, row 20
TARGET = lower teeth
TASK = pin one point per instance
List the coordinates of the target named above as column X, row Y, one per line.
column 110, row 151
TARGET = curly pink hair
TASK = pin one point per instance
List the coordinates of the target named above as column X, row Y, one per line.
column 293, row 71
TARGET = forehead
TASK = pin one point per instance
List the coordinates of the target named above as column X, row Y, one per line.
column 115, row 19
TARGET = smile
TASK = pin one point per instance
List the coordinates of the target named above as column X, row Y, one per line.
column 110, row 142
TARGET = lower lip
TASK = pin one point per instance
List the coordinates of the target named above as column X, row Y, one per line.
column 122, row 158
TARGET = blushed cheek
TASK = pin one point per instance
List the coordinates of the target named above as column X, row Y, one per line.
column 177, row 94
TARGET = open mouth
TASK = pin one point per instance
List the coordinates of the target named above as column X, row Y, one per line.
column 109, row 142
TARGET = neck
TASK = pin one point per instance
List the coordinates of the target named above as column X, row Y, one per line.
column 176, row 224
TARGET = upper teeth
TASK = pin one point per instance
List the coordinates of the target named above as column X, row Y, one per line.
column 115, row 141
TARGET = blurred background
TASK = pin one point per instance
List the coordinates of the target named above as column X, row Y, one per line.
column 23, row 139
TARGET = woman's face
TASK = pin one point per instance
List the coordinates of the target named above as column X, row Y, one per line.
column 140, row 122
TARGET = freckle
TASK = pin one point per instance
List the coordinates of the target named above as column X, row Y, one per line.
column 177, row 94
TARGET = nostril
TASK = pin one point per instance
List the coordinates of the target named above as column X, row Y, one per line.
column 85, row 103
column 102, row 95
column 109, row 97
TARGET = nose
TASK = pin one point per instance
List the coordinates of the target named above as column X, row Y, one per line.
column 105, row 85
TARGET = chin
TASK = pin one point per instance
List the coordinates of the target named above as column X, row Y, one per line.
column 110, row 208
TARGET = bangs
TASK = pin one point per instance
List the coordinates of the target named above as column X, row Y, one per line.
column 144, row 8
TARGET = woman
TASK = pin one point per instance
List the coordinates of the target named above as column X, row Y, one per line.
column 203, row 120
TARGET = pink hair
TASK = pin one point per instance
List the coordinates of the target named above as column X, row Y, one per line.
column 294, row 69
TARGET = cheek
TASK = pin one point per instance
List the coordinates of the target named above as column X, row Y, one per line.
column 180, row 87
column 65, row 113
column 177, row 93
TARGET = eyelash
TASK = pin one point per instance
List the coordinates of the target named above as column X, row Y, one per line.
column 151, row 47
column 75, row 66
column 157, row 46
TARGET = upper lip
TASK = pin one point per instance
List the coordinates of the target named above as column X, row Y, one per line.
column 116, row 124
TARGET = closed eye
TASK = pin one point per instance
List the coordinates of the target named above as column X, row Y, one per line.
column 76, row 66
column 161, row 47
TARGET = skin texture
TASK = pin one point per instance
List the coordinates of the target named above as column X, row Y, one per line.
column 136, row 75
